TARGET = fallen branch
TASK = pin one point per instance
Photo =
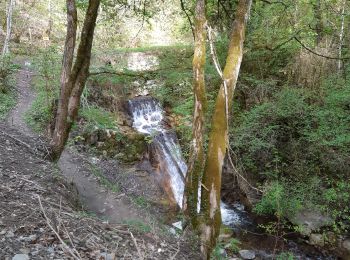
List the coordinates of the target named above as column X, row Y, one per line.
column 136, row 245
column 75, row 254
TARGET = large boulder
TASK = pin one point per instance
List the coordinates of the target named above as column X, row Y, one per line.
column 310, row 220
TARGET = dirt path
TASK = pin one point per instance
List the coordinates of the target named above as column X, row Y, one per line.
column 95, row 198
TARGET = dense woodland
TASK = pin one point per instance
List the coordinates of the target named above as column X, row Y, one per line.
column 257, row 91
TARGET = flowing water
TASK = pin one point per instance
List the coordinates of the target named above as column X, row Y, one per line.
column 148, row 118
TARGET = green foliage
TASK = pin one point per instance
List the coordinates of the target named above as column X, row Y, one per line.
column 141, row 201
column 7, row 69
column 39, row 114
column 103, row 180
column 97, row 118
column 47, row 63
column 7, row 82
column 297, row 144
column 7, row 101
column 285, row 256
column 138, row 226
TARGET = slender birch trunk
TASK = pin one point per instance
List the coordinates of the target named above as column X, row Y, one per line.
column 5, row 49
column 197, row 155
column 341, row 37
column 218, row 137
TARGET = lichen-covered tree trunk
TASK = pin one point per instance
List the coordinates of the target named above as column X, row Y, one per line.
column 197, row 155
column 73, row 80
column 218, row 137
column 5, row 48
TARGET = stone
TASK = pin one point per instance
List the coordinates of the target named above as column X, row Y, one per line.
column 30, row 238
column 316, row 240
column 178, row 225
column 106, row 256
column 10, row 234
column 346, row 245
column 310, row 220
column 25, row 250
column 247, row 254
column 20, row 257
column 222, row 253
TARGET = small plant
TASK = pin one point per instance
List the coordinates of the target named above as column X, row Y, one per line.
column 138, row 226
column 97, row 117
column 103, row 180
column 285, row 256
column 234, row 245
column 141, row 201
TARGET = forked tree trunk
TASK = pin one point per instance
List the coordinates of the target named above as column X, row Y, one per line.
column 218, row 137
column 5, row 48
column 197, row 154
column 60, row 133
column 73, row 80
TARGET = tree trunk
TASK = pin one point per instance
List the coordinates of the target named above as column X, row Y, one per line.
column 341, row 37
column 73, row 80
column 5, row 49
column 319, row 23
column 82, row 64
column 218, row 138
column 197, row 155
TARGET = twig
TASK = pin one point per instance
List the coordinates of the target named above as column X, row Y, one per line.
column 32, row 150
column 136, row 245
column 188, row 17
column 75, row 254
column 37, row 185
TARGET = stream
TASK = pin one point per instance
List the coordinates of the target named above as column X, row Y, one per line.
column 148, row 118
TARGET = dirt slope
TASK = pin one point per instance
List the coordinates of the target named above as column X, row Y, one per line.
column 41, row 204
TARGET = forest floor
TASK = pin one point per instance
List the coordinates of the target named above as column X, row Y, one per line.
column 80, row 208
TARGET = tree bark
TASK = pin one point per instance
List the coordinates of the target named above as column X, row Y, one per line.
column 60, row 133
column 218, row 137
column 197, row 155
column 319, row 23
column 5, row 49
column 73, row 80
column 341, row 37
column 81, row 67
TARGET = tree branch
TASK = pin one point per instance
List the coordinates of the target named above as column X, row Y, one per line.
column 188, row 17
column 318, row 54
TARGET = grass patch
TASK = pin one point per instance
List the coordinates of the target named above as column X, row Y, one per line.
column 141, row 201
column 98, row 118
column 103, row 180
column 7, row 102
column 138, row 226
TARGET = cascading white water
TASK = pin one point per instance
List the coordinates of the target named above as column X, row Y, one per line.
column 148, row 118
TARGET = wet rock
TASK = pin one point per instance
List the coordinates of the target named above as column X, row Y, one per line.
column 316, row 240
column 20, row 257
column 310, row 220
column 247, row 254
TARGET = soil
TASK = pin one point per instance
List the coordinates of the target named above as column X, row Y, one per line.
column 81, row 208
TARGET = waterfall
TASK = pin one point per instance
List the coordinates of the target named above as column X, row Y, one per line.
column 148, row 118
